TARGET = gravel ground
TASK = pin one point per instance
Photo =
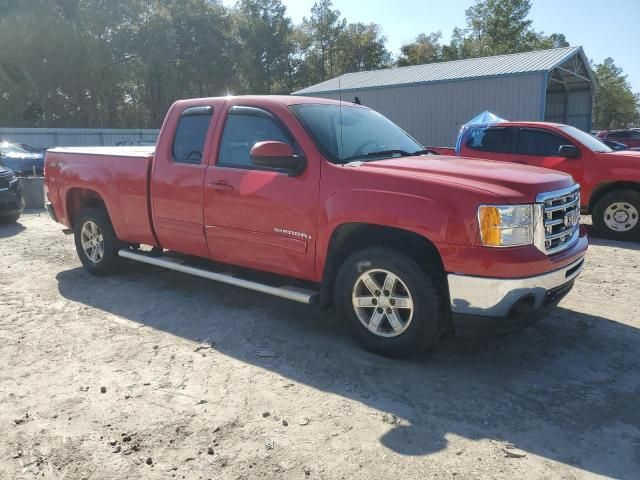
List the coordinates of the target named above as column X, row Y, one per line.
column 154, row 374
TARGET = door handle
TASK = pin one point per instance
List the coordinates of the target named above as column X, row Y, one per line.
column 221, row 185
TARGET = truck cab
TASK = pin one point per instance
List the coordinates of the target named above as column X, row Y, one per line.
column 338, row 206
column 609, row 180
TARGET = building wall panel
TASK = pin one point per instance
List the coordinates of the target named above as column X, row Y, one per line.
column 75, row 137
column 433, row 113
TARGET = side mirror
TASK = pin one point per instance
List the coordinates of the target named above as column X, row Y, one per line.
column 568, row 151
column 277, row 155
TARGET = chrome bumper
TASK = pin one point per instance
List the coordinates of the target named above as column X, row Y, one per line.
column 497, row 297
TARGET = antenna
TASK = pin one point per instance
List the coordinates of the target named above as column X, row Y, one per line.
column 340, row 107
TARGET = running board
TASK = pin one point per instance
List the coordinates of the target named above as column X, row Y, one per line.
column 296, row 294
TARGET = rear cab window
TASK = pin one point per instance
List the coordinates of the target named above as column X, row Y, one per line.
column 191, row 133
column 492, row 139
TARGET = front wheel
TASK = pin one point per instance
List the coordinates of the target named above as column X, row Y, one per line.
column 96, row 242
column 391, row 305
column 617, row 215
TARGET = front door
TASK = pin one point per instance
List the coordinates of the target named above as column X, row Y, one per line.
column 256, row 217
column 540, row 148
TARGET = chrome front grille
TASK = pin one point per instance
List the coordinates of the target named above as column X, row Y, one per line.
column 559, row 220
column 5, row 181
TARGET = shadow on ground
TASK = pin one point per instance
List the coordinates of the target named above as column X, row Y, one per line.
column 10, row 229
column 595, row 238
column 566, row 389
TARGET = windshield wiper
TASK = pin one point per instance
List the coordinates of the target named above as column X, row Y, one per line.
column 385, row 153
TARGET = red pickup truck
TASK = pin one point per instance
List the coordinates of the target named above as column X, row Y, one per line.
column 340, row 205
column 610, row 180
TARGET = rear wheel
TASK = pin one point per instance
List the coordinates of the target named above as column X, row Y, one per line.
column 391, row 305
column 96, row 242
column 617, row 215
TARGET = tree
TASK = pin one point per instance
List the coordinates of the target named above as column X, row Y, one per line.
column 615, row 104
column 263, row 31
column 497, row 27
column 323, row 31
column 426, row 48
column 493, row 27
column 362, row 47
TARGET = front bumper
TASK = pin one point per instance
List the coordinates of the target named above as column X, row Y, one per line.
column 51, row 211
column 506, row 304
column 11, row 201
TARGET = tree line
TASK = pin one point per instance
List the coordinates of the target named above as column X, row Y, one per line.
column 108, row 64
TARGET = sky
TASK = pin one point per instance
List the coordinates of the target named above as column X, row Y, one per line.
column 603, row 28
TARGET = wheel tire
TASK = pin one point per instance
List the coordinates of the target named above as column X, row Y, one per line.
column 602, row 215
column 109, row 262
column 428, row 318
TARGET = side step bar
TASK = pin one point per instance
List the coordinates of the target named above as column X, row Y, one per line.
column 296, row 294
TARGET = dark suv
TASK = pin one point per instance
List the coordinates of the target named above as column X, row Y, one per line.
column 630, row 137
column 11, row 202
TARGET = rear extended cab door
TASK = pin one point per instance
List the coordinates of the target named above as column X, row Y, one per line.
column 257, row 217
column 178, row 173
column 492, row 143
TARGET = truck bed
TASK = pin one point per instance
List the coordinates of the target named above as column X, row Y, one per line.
column 109, row 151
column 117, row 175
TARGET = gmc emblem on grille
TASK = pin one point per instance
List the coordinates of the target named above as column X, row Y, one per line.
column 571, row 218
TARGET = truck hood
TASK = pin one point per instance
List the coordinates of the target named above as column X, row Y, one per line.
column 623, row 164
column 515, row 183
column 621, row 155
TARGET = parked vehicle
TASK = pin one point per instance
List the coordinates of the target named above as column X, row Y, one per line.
column 11, row 202
column 31, row 148
column 20, row 160
column 610, row 180
column 630, row 136
column 441, row 150
column 614, row 145
column 339, row 203
column 135, row 143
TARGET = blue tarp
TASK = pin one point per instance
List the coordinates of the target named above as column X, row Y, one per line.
column 479, row 122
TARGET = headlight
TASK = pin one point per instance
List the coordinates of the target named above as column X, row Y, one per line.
column 506, row 226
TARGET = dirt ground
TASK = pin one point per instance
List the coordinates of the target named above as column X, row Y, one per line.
column 154, row 374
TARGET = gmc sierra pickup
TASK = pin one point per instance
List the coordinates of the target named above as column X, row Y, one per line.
column 340, row 205
column 610, row 180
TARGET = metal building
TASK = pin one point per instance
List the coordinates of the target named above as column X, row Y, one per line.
column 433, row 101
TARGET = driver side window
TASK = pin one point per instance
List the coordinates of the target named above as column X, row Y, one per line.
column 242, row 131
column 539, row 143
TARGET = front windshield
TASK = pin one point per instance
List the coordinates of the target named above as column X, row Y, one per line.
column 6, row 147
column 354, row 133
column 589, row 141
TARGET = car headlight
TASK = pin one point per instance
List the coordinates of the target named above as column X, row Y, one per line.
column 506, row 226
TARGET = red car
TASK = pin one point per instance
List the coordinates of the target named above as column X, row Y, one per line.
column 337, row 201
column 630, row 137
column 609, row 180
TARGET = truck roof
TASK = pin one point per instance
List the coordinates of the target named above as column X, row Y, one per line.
column 531, row 124
column 270, row 99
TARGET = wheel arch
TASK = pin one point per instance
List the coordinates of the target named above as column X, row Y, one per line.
column 348, row 238
column 79, row 198
column 604, row 188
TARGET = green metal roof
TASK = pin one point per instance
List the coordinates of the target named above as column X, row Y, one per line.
column 499, row 65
